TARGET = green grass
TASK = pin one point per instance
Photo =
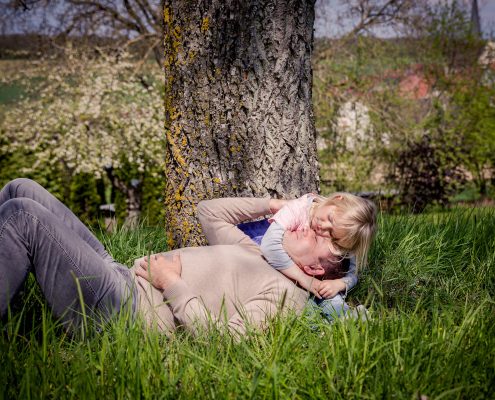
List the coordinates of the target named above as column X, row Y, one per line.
column 10, row 93
column 430, row 289
column 13, row 91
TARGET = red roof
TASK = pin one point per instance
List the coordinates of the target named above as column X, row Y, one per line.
column 414, row 86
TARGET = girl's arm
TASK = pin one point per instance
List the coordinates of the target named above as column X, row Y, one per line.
column 331, row 287
column 274, row 253
column 305, row 281
column 272, row 248
column 350, row 279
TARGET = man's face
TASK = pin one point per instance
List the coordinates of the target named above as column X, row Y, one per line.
column 305, row 247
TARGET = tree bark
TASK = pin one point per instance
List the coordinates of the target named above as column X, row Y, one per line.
column 133, row 197
column 238, row 113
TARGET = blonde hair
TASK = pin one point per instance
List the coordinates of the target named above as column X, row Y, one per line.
column 356, row 218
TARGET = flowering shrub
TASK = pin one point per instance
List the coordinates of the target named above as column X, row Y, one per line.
column 91, row 115
column 87, row 114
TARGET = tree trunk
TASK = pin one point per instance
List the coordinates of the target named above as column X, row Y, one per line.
column 238, row 112
column 133, row 203
column 133, row 196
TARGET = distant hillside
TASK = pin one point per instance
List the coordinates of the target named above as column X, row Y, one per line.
column 28, row 46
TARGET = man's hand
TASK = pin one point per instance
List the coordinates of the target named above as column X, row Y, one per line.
column 331, row 287
column 277, row 204
column 160, row 271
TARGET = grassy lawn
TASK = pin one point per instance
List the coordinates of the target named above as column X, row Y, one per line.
column 429, row 288
column 10, row 93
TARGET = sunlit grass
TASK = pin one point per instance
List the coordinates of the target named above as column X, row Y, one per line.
column 429, row 288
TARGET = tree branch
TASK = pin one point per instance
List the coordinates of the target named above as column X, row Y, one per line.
column 133, row 14
column 373, row 13
column 117, row 16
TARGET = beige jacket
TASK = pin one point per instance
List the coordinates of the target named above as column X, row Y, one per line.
column 227, row 282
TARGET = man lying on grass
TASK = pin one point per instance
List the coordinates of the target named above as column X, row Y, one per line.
column 228, row 283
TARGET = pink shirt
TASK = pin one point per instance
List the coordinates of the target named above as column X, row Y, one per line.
column 294, row 215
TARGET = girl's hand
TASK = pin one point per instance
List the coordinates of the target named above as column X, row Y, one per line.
column 315, row 287
column 331, row 287
column 277, row 204
column 160, row 271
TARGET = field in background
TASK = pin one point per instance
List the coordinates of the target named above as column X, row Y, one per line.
column 430, row 290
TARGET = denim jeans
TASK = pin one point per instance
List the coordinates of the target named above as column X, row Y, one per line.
column 332, row 308
column 77, row 276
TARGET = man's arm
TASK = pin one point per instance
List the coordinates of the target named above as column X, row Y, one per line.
column 190, row 311
column 219, row 217
column 187, row 307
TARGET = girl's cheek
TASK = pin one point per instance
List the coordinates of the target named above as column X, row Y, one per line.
column 324, row 234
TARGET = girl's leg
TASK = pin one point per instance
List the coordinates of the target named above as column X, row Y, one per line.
column 66, row 267
column 26, row 188
column 334, row 307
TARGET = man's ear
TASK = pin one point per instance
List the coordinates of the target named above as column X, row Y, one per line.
column 313, row 270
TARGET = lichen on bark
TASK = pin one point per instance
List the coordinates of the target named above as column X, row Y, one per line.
column 238, row 114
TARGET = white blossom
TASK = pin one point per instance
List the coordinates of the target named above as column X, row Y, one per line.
column 88, row 114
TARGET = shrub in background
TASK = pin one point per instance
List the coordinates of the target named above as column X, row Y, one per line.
column 84, row 199
column 90, row 114
column 426, row 172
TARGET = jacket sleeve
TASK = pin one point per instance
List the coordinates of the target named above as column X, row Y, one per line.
column 273, row 249
column 350, row 279
column 219, row 217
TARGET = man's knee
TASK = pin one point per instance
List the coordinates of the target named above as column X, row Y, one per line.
column 25, row 183
column 19, row 184
column 20, row 204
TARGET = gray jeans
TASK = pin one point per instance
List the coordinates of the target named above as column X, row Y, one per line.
column 39, row 234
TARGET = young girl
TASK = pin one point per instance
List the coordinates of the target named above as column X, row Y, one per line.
column 347, row 222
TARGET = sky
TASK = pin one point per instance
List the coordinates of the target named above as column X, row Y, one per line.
column 329, row 23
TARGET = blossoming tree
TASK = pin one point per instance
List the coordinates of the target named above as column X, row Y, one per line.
column 91, row 115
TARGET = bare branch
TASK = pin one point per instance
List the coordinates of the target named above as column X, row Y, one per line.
column 372, row 13
column 113, row 13
column 134, row 16
column 150, row 49
column 148, row 15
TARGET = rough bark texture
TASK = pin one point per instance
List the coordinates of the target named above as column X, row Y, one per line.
column 238, row 112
